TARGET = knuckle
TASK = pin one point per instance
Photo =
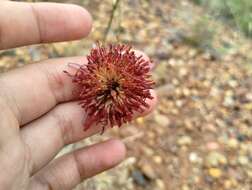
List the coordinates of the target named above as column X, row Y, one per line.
column 55, row 82
column 80, row 166
column 43, row 182
column 64, row 123
column 8, row 103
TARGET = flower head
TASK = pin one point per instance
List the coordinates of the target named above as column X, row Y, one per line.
column 113, row 85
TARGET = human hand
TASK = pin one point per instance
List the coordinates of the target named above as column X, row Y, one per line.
column 38, row 114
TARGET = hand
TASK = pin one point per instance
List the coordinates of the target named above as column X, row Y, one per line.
column 38, row 114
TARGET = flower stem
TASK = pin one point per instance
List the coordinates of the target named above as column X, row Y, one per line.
column 115, row 5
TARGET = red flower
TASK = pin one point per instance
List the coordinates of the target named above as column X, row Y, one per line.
column 113, row 85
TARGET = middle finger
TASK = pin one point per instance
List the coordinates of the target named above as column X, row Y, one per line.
column 63, row 125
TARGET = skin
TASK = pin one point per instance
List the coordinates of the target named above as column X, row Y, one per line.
column 39, row 114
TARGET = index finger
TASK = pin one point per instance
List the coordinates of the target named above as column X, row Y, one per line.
column 32, row 23
column 33, row 90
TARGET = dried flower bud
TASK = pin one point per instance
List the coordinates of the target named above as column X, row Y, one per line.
column 113, row 85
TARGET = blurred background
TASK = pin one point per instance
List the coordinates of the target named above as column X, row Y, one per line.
column 199, row 137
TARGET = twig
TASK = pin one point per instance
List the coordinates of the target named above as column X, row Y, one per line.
column 115, row 5
column 133, row 137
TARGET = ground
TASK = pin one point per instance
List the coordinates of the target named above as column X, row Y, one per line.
column 199, row 137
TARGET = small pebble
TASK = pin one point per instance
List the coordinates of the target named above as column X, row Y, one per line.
column 192, row 53
column 147, row 151
column 130, row 160
column 160, row 184
column 215, row 158
column 215, row 172
column 241, row 137
column 227, row 184
column 140, row 120
column 212, row 146
column 162, row 120
column 233, row 83
column 249, row 173
column 183, row 72
column 139, row 178
column 185, row 187
column 233, row 143
column 184, row 140
column 194, row 158
column 157, row 159
column 148, row 171
column 243, row 160
column 228, row 101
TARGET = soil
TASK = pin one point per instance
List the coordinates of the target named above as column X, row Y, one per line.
column 199, row 137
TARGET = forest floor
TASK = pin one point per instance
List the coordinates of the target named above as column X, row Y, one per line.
column 199, row 137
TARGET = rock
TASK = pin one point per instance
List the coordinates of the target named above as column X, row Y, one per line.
column 249, row 173
column 208, row 179
column 194, row 158
column 232, row 161
column 172, row 62
column 147, row 151
column 228, row 101
column 148, row 171
column 214, row 91
column 248, row 106
column 186, row 92
column 160, row 184
column 139, row 178
column 179, row 103
column 246, row 147
column 176, row 36
column 228, row 184
column 189, row 124
column 150, row 134
column 215, row 158
column 185, row 187
column 140, row 120
column 157, row 159
column 220, row 123
column 184, row 140
column 183, row 72
column 211, row 127
column 233, row 83
column 212, row 146
column 162, row 120
column 207, row 56
column 241, row 137
column 196, row 179
column 130, row 161
column 243, row 160
column 249, row 96
column 232, row 143
column 162, row 55
column 215, row 172
column 192, row 53
column 165, row 90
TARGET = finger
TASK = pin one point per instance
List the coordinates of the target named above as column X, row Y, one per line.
column 68, row 171
column 11, row 148
column 63, row 125
column 33, row 90
column 47, row 85
column 32, row 23
column 8, row 126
